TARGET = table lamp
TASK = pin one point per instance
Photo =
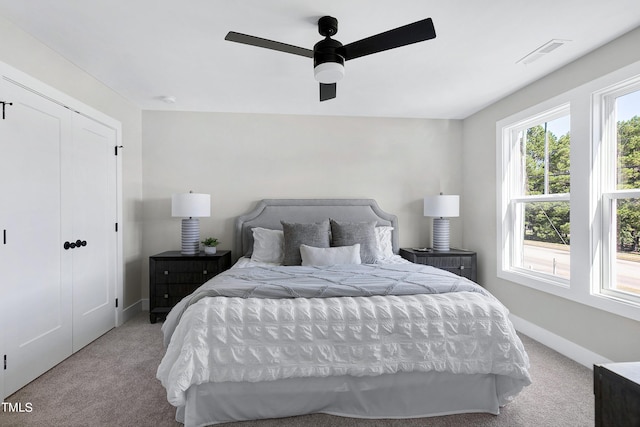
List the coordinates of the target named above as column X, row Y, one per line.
column 190, row 206
column 441, row 208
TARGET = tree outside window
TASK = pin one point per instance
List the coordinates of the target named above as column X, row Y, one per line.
column 540, row 199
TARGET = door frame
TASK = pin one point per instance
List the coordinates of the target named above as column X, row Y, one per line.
column 10, row 75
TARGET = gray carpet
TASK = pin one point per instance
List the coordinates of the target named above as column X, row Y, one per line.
column 112, row 382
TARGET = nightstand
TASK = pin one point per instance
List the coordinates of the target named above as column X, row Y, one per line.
column 458, row 261
column 617, row 394
column 173, row 276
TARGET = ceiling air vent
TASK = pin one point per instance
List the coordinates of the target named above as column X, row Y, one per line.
column 546, row 48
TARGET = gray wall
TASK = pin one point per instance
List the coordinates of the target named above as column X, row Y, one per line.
column 606, row 334
column 242, row 158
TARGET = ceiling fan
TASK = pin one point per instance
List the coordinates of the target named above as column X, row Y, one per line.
column 329, row 54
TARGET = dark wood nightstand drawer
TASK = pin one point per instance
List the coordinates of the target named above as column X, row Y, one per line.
column 173, row 276
column 451, row 263
column 186, row 271
column 461, row 262
column 169, row 295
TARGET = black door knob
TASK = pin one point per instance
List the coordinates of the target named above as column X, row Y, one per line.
column 78, row 243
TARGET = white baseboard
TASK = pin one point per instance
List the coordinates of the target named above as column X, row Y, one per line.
column 562, row 345
column 131, row 311
column 145, row 304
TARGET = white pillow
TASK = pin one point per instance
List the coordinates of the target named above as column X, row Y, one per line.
column 330, row 256
column 268, row 245
column 383, row 239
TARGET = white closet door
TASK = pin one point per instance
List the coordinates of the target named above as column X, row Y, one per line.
column 35, row 274
column 92, row 193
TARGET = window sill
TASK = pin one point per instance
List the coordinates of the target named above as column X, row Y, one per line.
column 609, row 303
column 541, row 282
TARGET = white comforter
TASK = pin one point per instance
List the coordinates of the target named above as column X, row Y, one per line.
column 256, row 339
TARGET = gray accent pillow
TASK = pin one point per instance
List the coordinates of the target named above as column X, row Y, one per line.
column 295, row 234
column 350, row 233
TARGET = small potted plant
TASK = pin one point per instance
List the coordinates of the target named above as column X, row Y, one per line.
column 210, row 244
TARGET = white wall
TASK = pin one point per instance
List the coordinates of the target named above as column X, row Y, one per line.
column 25, row 53
column 609, row 335
column 242, row 158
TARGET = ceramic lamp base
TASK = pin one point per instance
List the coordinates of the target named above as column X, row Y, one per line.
column 190, row 236
column 440, row 234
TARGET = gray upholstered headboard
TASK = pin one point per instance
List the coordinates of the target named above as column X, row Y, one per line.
column 269, row 212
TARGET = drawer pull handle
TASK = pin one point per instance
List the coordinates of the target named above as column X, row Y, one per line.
column 205, row 272
column 166, row 272
column 462, row 267
column 166, row 296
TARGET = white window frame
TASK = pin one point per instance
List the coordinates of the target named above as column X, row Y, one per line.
column 606, row 192
column 588, row 265
column 511, row 201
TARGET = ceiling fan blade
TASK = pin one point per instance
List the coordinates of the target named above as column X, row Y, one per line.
column 401, row 36
column 268, row 44
column 327, row 91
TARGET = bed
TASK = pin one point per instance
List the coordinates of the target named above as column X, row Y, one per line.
column 344, row 326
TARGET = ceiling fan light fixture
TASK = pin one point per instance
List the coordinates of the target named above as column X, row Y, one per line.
column 329, row 54
column 329, row 72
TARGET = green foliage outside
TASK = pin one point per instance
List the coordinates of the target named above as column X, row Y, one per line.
column 628, row 178
column 549, row 221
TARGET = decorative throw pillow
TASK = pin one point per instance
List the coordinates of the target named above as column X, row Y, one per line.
column 350, row 233
column 268, row 245
column 330, row 256
column 384, row 242
column 295, row 234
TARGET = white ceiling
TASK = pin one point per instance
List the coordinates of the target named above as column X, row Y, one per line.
column 149, row 49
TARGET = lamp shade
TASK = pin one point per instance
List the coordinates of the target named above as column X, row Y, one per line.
column 442, row 206
column 190, row 205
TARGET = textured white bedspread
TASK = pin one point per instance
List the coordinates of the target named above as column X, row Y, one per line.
column 260, row 339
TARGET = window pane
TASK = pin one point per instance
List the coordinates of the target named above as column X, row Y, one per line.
column 546, row 150
column 546, row 240
column 627, row 265
column 628, row 161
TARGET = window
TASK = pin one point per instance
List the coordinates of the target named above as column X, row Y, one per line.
column 568, row 194
column 536, row 226
column 620, row 196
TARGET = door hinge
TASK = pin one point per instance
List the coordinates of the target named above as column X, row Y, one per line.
column 116, row 302
column 116, row 227
column 4, row 237
column 116, row 149
column 5, row 362
column 4, row 103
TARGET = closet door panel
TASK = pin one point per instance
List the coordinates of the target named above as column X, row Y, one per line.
column 94, row 217
column 35, row 272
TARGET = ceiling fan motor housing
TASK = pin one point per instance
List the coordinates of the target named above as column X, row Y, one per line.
column 327, row 62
